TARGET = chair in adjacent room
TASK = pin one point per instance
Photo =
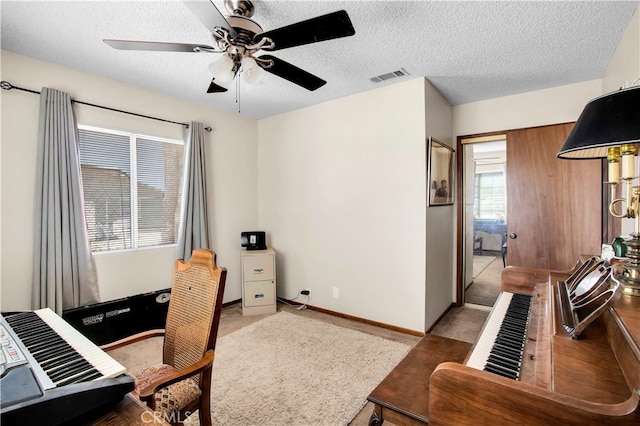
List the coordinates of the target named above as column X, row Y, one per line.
column 477, row 244
column 181, row 384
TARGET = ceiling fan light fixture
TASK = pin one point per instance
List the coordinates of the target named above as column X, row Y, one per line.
column 251, row 72
column 239, row 38
column 222, row 69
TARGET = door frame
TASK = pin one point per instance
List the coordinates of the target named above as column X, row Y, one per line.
column 476, row 138
column 611, row 227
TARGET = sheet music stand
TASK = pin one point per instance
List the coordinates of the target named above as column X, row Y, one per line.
column 586, row 294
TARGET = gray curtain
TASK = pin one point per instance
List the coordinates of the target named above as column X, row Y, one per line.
column 194, row 226
column 64, row 272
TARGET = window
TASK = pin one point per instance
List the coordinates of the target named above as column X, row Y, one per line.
column 132, row 188
column 489, row 195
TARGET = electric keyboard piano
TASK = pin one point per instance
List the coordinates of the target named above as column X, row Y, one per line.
column 52, row 374
column 594, row 379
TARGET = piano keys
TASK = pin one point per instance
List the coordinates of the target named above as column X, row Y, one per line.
column 500, row 347
column 65, row 355
column 592, row 380
column 50, row 366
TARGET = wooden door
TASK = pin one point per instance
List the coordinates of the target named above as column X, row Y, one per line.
column 554, row 206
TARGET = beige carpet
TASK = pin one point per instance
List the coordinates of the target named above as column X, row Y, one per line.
column 480, row 263
column 485, row 288
column 286, row 369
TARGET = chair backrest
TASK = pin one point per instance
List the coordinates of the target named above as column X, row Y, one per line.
column 194, row 310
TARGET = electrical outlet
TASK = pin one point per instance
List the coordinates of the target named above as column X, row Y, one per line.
column 306, row 292
column 336, row 293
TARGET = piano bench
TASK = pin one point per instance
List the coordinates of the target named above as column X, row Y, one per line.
column 403, row 396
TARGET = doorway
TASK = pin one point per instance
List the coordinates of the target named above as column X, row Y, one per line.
column 553, row 206
column 485, row 217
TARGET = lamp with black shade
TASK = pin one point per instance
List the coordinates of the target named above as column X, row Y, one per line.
column 609, row 127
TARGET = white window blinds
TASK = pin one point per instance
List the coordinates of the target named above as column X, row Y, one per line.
column 489, row 195
column 131, row 187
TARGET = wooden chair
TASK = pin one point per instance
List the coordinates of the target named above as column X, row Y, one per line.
column 477, row 245
column 181, row 384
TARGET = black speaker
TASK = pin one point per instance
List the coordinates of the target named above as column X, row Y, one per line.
column 253, row 240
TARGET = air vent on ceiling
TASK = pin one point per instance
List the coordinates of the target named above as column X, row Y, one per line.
column 388, row 76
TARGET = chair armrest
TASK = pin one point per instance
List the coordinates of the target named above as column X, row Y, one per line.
column 147, row 393
column 132, row 339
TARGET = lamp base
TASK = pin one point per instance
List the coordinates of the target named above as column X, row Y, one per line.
column 630, row 276
column 631, row 285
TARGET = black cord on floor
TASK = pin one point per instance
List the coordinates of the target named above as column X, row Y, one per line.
column 285, row 301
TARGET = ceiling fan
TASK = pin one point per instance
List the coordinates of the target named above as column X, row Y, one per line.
column 239, row 39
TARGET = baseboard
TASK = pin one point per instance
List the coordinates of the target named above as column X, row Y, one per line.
column 453, row 305
column 233, row 302
column 346, row 316
column 359, row 319
column 478, row 307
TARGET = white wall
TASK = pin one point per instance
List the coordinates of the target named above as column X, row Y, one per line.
column 232, row 162
column 342, row 197
column 624, row 67
column 440, row 225
column 561, row 104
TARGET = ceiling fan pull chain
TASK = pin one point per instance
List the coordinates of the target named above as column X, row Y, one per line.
column 238, row 91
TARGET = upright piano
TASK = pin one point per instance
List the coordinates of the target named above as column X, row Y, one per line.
column 586, row 379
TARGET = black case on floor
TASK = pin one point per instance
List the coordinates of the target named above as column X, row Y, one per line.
column 110, row 321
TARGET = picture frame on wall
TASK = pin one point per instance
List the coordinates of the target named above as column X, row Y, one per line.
column 440, row 173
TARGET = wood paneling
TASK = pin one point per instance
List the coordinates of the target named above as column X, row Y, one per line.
column 553, row 205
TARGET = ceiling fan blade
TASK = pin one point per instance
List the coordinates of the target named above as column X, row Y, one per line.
column 157, row 46
column 215, row 88
column 292, row 73
column 325, row 27
column 209, row 15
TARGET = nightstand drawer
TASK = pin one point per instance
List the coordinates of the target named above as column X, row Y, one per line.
column 259, row 293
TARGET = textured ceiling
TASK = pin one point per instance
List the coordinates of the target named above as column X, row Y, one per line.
column 470, row 51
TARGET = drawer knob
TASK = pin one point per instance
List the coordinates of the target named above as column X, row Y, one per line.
column 258, row 271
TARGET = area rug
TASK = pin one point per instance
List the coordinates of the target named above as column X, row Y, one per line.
column 289, row 370
column 480, row 263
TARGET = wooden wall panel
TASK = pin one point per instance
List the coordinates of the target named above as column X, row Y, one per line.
column 554, row 206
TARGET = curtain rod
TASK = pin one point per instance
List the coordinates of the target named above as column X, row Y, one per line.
column 8, row 86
